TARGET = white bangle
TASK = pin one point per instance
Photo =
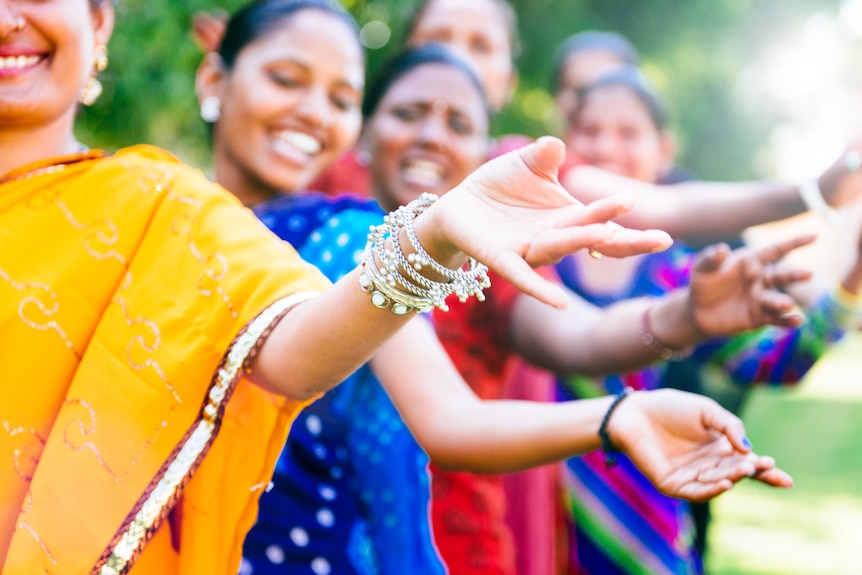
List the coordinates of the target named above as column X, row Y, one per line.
column 811, row 195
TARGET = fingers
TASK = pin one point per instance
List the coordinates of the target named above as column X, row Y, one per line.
column 775, row 252
column 544, row 156
column 711, row 257
column 774, row 477
column 523, row 277
column 600, row 211
column 781, row 278
column 715, row 417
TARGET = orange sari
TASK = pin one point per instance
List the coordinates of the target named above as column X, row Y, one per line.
column 124, row 281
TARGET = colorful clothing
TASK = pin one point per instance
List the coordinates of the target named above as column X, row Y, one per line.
column 123, row 281
column 350, row 493
column 468, row 510
column 622, row 524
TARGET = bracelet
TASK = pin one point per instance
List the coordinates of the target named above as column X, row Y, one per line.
column 397, row 284
column 814, row 201
column 846, row 299
column 608, row 447
column 657, row 346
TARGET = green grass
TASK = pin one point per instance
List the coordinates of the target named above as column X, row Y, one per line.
column 815, row 433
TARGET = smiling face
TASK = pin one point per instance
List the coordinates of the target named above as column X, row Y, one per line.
column 477, row 30
column 614, row 130
column 289, row 105
column 429, row 131
column 45, row 63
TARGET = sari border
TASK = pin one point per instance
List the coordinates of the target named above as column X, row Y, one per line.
column 163, row 492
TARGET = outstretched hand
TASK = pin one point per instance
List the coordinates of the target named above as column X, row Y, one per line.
column 688, row 445
column 512, row 214
column 739, row 290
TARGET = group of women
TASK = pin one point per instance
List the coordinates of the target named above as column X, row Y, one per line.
column 161, row 342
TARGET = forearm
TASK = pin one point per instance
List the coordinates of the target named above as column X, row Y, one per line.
column 322, row 341
column 504, row 436
column 591, row 341
column 694, row 211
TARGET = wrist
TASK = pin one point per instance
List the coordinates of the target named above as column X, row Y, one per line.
column 830, row 181
column 669, row 326
column 611, row 446
column 430, row 232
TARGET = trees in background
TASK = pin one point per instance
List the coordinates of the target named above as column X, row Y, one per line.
column 701, row 54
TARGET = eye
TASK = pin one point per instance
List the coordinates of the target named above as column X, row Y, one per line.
column 481, row 46
column 285, row 79
column 461, row 125
column 344, row 102
column 406, row 113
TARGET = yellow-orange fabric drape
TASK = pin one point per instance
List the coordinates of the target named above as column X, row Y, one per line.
column 123, row 281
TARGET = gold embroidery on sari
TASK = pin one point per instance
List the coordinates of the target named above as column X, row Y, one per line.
column 33, row 304
column 167, row 486
column 102, row 232
column 26, row 452
column 146, row 330
column 215, row 265
column 88, row 429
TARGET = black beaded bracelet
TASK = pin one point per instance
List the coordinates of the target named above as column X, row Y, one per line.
column 607, row 445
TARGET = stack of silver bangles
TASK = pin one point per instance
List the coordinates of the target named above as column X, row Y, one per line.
column 396, row 283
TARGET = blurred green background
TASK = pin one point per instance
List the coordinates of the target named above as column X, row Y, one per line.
column 756, row 88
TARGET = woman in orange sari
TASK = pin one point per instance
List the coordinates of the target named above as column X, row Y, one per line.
column 148, row 380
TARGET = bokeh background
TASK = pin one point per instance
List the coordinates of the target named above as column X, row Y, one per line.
column 757, row 88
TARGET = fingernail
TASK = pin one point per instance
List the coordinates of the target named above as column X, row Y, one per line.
column 746, row 442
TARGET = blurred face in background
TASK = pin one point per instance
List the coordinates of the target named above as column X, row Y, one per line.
column 428, row 132
column 579, row 70
column 614, row 130
column 479, row 31
column 290, row 105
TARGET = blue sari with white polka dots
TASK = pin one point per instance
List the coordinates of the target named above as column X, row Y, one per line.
column 350, row 493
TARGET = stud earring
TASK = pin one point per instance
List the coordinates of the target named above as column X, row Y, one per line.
column 93, row 87
column 211, row 109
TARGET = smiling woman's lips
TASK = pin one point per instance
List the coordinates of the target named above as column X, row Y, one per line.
column 16, row 64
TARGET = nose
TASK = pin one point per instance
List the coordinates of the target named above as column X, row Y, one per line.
column 433, row 131
column 10, row 20
column 314, row 108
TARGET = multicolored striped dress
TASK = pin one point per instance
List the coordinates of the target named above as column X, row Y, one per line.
column 619, row 523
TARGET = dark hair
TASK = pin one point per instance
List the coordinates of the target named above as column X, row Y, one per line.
column 632, row 78
column 410, row 59
column 262, row 16
column 414, row 15
column 591, row 41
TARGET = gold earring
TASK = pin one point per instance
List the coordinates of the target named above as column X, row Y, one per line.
column 93, row 87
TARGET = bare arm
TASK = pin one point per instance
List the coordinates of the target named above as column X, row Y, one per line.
column 703, row 212
column 728, row 295
column 459, row 431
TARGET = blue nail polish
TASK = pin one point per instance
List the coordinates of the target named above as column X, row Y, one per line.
column 746, row 442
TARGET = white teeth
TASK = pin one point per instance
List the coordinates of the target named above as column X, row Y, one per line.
column 424, row 172
column 18, row 62
column 303, row 142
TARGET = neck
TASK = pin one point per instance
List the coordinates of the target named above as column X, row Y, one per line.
column 25, row 145
column 248, row 190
